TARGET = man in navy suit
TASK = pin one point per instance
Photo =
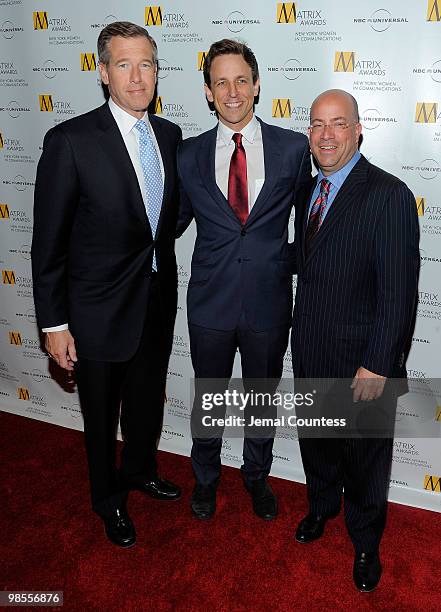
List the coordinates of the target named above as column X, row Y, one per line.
column 357, row 262
column 104, row 269
column 238, row 182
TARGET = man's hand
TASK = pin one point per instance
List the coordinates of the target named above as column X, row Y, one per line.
column 367, row 386
column 61, row 347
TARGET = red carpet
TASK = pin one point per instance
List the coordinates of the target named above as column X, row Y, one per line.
column 235, row 562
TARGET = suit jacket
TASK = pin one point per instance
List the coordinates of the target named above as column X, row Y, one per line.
column 237, row 269
column 357, row 290
column 92, row 247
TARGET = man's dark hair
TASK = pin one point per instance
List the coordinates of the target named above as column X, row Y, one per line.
column 230, row 47
column 125, row 29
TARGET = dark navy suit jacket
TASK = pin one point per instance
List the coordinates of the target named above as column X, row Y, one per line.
column 357, row 290
column 241, row 270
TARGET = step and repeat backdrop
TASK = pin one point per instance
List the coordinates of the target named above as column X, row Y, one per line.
column 386, row 53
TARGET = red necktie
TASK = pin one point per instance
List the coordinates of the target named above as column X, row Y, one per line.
column 315, row 216
column 237, row 180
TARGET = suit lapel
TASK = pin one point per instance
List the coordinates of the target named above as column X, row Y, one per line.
column 115, row 149
column 272, row 161
column 304, row 199
column 206, row 158
column 347, row 195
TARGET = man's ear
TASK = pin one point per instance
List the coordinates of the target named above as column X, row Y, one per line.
column 103, row 73
column 208, row 93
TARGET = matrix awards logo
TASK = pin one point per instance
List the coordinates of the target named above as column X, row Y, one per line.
column 88, row 62
column 23, row 394
column 15, row 338
column 40, row 20
column 344, row 61
column 8, row 277
column 432, row 483
column 45, row 102
column 281, row 108
column 169, row 109
column 433, row 10
column 158, row 106
column 4, row 212
column 153, row 16
column 201, row 59
column 286, row 12
column 426, row 112
column 421, row 206
column 430, row 216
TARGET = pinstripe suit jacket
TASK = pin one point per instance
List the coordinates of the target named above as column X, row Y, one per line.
column 357, row 289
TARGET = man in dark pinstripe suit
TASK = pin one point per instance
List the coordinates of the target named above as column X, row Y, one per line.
column 357, row 261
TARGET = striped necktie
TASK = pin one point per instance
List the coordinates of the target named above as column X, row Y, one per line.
column 316, row 214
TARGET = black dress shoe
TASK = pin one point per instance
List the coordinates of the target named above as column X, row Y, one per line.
column 311, row 527
column 367, row 571
column 264, row 500
column 119, row 528
column 203, row 501
column 156, row 487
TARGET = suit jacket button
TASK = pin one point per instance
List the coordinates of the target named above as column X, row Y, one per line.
column 243, row 233
column 239, row 260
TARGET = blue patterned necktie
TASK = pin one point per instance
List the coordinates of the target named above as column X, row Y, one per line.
column 151, row 169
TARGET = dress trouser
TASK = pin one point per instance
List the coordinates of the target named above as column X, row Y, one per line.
column 359, row 468
column 213, row 352
column 132, row 392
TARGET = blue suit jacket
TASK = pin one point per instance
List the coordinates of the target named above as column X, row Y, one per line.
column 241, row 270
column 357, row 290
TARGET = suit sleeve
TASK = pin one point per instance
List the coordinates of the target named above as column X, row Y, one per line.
column 303, row 179
column 186, row 214
column 397, row 262
column 55, row 203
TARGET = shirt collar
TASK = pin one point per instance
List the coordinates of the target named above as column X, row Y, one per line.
column 338, row 178
column 124, row 120
column 249, row 132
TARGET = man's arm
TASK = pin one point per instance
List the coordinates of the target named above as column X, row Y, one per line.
column 186, row 214
column 397, row 266
column 55, row 202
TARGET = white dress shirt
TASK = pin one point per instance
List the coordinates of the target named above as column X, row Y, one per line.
column 130, row 135
column 253, row 145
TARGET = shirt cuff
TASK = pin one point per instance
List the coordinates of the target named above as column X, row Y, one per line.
column 55, row 328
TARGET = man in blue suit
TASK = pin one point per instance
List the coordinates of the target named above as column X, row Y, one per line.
column 357, row 262
column 238, row 182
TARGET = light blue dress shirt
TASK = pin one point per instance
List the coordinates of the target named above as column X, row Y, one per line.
column 336, row 179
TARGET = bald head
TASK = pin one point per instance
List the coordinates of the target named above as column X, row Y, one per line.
column 338, row 95
column 335, row 129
